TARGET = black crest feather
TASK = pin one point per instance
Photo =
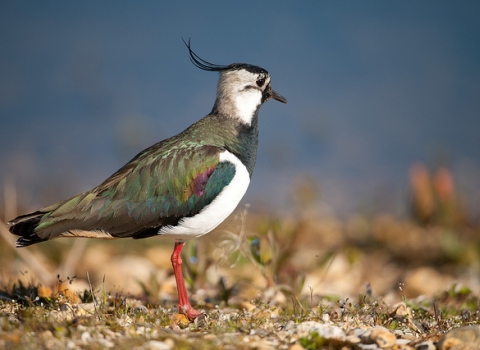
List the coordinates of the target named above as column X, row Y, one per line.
column 211, row 67
column 201, row 63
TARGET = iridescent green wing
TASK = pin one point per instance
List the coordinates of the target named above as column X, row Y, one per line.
column 153, row 190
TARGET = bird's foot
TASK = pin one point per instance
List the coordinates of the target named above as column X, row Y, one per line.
column 190, row 312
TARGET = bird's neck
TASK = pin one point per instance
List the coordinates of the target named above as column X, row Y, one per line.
column 220, row 130
column 241, row 106
column 246, row 144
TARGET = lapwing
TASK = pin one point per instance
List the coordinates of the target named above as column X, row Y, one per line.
column 182, row 187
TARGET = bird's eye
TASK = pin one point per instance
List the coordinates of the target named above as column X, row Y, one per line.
column 260, row 82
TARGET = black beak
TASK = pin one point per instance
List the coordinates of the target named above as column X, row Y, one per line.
column 270, row 93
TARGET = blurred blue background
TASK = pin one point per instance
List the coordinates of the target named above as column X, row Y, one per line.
column 372, row 88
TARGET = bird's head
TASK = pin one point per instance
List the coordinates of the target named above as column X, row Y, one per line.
column 242, row 88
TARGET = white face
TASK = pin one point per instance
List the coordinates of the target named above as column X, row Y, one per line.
column 244, row 90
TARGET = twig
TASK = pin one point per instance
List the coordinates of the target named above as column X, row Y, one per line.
column 92, row 293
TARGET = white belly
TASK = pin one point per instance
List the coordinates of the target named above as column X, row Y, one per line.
column 218, row 210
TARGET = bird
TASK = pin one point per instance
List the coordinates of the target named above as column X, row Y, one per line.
column 182, row 187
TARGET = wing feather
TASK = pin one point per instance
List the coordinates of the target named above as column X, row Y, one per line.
column 150, row 194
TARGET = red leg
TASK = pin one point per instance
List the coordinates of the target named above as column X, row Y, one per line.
column 183, row 303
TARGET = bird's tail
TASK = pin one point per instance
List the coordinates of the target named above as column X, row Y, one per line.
column 25, row 226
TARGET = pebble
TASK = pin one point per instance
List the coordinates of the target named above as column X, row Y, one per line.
column 409, row 336
column 403, row 347
column 209, row 337
column 124, row 321
column 296, row 346
column 86, row 337
column 58, row 316
column 426, row 345
column 401, row 309
column 290, row 326
column 71, row 345
column 170, row 342
column 402, row 341
column 368, row 346
column 263, row 345
column 85, row 309
column 325, row 331
column 69, row 312
column 88, row 307
column 141, row 309
column 382, row 337
column 156, row 345
column 353, row 339
column 359, row 332
column 106, row 343
column 464, row 338
column 179, row 321
column 224, row 317
column 65, row 307
column 247, row 306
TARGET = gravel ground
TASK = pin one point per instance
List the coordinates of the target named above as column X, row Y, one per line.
column 113, row 322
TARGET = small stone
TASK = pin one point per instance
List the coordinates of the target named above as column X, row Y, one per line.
column 224, row 317
column 353, row 339
column 402, row 341
column 290, row 326
column 141, row 309
column 156, row 345
column 402, row 310
column 245, row 305
column 280, row 298
column 461, row 338
column 325, row 331
column 85, row 309
column 409, row 336
column 200, row 321
column 262, row 346
column 382, row 337
column 179, row 320
column 426, row 345
column 124, row 321
column 56, row 316
column 368, row 346
column 360, row 332
column 66, row 307
column 274, row 313
column 71, row 345
column 106, row 343
column 170, row 342
column 46, row 334
column 86, row 337
column 209, row 337
column 403, row 347
column 296, row 346
column 82, row 312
